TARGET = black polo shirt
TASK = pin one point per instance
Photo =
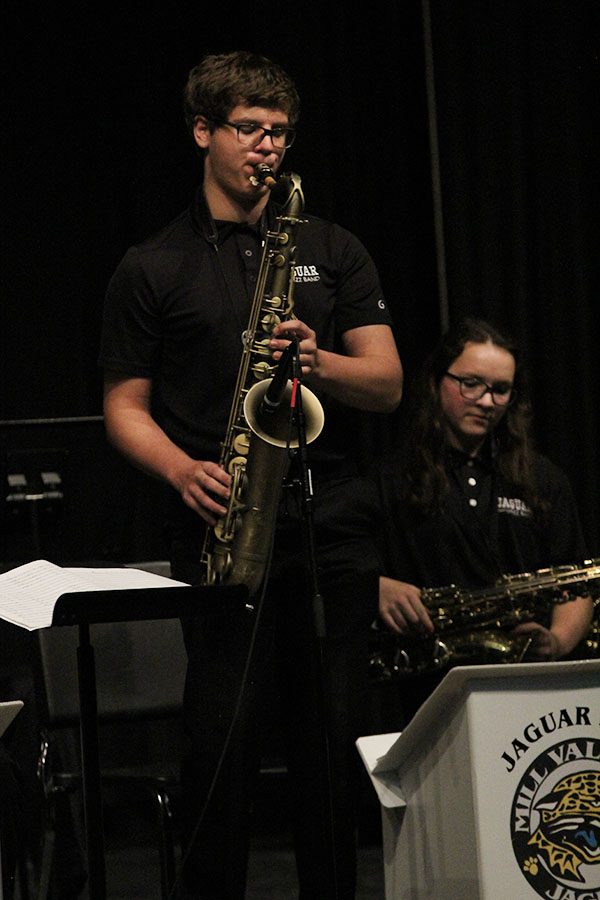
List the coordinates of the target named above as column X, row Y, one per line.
column 483, row 531
column 178, row 303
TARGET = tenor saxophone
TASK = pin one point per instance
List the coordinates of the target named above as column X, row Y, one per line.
column 257, row 453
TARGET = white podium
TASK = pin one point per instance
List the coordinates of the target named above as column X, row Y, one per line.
column 492, row 792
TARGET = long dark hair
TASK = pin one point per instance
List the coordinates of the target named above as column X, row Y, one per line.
column 424, row 446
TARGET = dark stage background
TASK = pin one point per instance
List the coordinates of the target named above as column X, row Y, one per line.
column 457, row 140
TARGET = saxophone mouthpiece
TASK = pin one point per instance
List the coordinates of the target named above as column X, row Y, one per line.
column 264, row 175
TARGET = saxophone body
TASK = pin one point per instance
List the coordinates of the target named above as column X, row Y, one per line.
column 237, row 549
column 472, row 627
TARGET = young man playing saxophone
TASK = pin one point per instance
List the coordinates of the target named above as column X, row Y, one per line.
column 175, row 311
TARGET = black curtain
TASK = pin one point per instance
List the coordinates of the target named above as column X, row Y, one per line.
column 461, row 153
column 99, row 157
column 515, row 88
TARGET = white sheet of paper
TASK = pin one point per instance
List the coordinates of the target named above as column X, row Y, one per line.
column 29, row 592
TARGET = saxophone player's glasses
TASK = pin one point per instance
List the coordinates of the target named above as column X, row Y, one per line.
column 471, row 388
column 251, row 133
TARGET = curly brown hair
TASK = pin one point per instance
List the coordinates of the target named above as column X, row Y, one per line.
column 224, row 80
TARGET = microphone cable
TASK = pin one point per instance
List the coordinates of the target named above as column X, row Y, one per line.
column 236, row 711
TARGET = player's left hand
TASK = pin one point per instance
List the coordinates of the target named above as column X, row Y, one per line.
column 307, row 346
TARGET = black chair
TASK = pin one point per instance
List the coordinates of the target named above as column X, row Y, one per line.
column 140, row 672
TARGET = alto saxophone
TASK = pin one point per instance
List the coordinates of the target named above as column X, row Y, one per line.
column 255, row 452
column 472, row 626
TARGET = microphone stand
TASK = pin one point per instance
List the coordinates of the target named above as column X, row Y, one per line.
column 316, row 598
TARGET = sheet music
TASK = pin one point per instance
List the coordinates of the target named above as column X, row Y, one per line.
column 29, row 592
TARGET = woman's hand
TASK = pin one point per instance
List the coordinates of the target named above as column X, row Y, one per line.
column 401, row 608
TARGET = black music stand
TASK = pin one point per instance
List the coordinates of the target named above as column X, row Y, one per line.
column 85, row 608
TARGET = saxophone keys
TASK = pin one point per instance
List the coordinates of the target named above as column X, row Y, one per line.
column 270, row 321
column 220, row 565
column 261, row 369
column 241, row 443
column 274, row 301
column 225, row 529
column 238, row 462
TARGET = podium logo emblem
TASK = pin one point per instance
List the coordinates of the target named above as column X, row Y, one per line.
column 555, row 821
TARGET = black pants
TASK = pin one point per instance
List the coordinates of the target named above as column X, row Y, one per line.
column 316, row 686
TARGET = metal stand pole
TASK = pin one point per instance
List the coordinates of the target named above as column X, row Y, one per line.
column 318, row 611
column 90, row 757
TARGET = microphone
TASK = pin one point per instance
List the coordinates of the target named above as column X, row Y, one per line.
column 274, row 394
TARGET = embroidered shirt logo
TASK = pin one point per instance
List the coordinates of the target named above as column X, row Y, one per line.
column 514, row 506
column 306, row 273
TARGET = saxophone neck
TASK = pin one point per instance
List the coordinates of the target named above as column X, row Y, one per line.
column 294, row 202
column 287, row 188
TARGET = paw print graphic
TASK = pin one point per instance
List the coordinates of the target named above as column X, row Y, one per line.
column 530, row 866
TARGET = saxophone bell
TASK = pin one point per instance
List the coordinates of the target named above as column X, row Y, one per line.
column 273, row 427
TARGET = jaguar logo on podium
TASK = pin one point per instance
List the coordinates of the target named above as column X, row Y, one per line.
column 492, row 791
column 555, row 821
